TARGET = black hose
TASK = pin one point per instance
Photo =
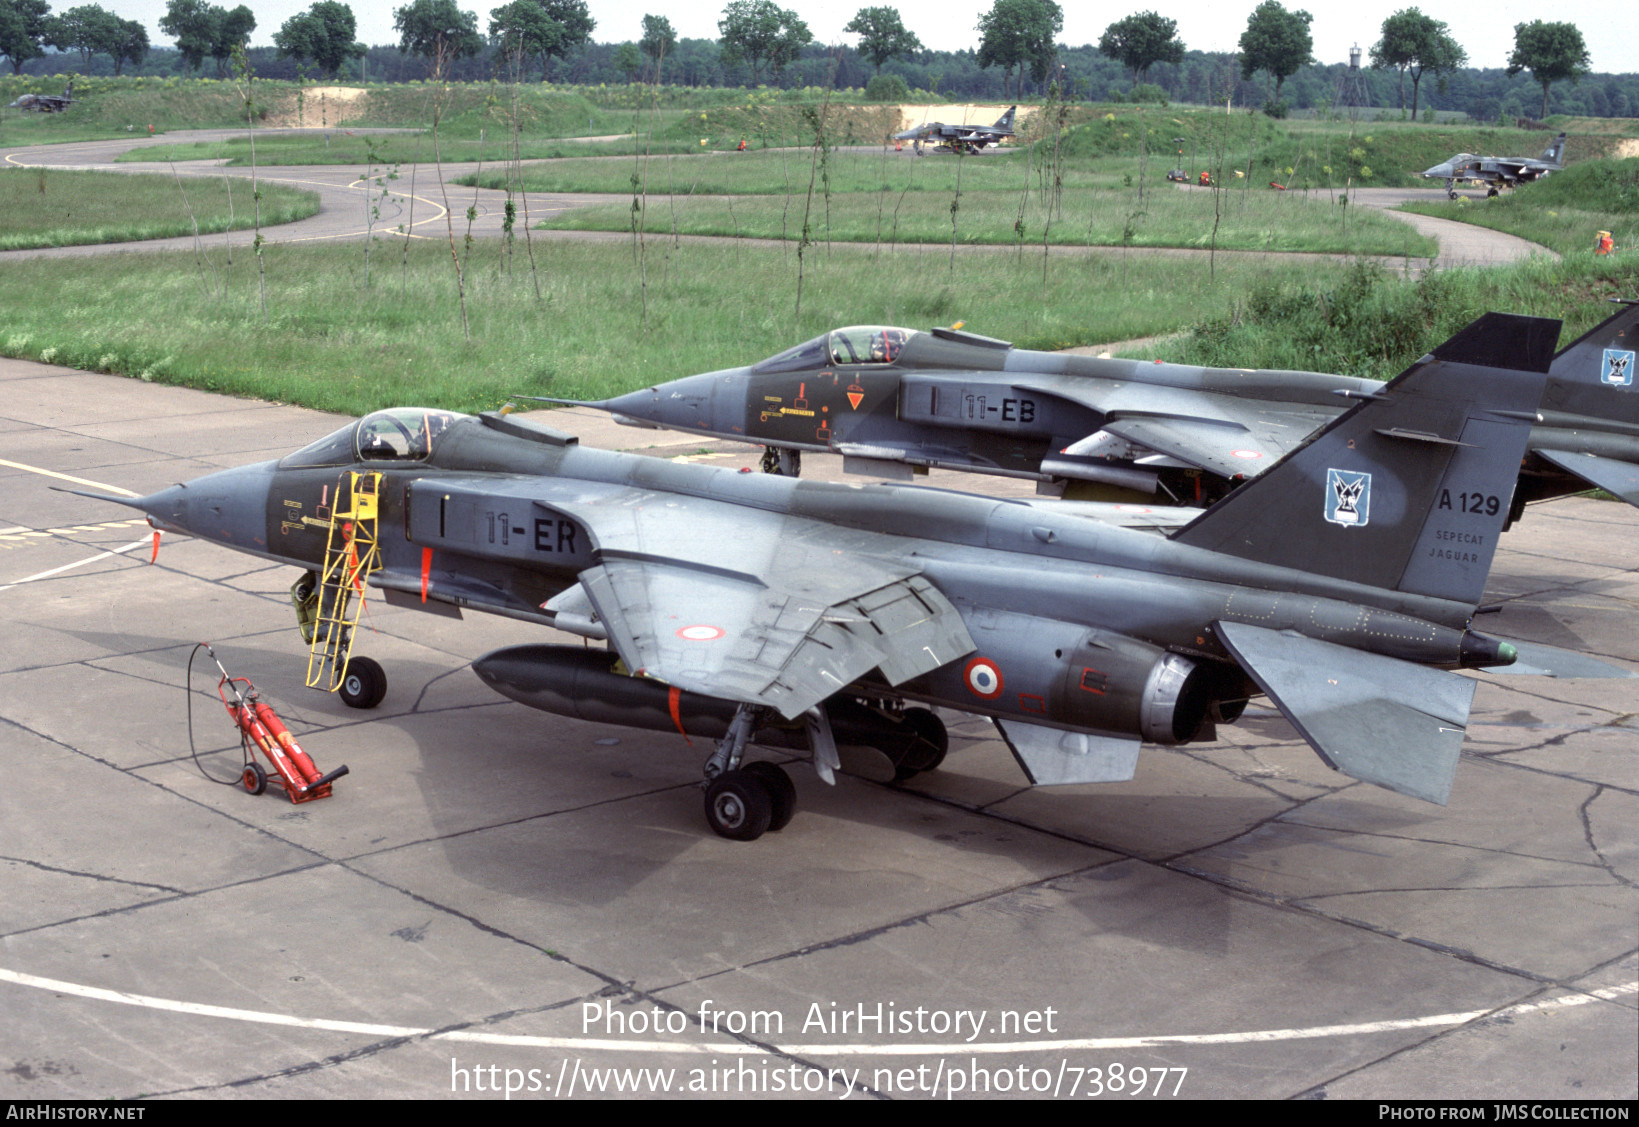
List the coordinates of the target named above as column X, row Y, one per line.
column 244, row 747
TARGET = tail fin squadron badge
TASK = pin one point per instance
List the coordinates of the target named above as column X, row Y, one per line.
column 1617, row 369
column 1348, row 497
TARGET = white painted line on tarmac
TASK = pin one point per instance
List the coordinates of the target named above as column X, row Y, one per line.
column 262, row 1017
column 76, row 563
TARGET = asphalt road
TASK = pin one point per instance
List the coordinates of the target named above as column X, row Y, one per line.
column 426, row 202
column 495, row 889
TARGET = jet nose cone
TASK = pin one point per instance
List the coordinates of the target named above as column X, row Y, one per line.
column 714, row 402
column 167, row 509
column 1440, row 170
column 230, row 507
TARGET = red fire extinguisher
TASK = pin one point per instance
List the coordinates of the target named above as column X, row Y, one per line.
column 261, row 730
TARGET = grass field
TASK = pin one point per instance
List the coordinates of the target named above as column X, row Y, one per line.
column 1167, row 217
column 1365, row 323
column 55, row 207
column 330, row 342
column 1564, row 211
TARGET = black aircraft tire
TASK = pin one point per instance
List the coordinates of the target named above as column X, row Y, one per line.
column 738, row 806
column 782, row 792
column 253, row 778
column 364, row 683
column 930, row 741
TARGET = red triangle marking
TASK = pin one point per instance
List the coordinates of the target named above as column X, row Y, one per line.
column 854, row 398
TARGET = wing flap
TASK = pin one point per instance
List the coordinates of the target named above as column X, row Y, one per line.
column 740, row 639
column 1619, row 478
column 1376, row 719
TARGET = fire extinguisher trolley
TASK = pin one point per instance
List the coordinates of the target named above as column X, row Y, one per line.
column 261, row 730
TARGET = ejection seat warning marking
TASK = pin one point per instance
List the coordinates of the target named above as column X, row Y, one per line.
column 1617, row 368
column 700, row 633
column 471, row 1036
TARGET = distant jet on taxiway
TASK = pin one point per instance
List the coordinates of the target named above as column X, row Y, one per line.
column 1498, row 172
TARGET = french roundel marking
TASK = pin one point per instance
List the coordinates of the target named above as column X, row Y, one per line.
column 983, row 678
column 1245, row 454
column 700, row 633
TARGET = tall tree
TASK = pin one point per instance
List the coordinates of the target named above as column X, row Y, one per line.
column 131, row 46
column 193, row 24
column 1020, row 33
column 324, row 33
column 577, row 24
column 882, row 36
column 1277, row 41
column 89, row 29
column 1140, row 41
column 1551, row 52
column 437, row 30
column 232, row 30
column 523, row 31
column 1414, row 43
column 23, row 27
column 760, row 33
column 659, row 40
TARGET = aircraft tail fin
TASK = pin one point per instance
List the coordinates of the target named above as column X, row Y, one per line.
column 1006, row 120
column 1555, row 153
column 1410, row 489
column 1595, row 374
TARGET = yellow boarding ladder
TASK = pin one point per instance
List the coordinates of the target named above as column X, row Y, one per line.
column 351, row 553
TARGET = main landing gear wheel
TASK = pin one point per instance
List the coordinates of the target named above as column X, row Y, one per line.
column 782, row 462
column 927, row 745
column 781, row 792
column 739, row 806
column 253, row 778
column 363, row 684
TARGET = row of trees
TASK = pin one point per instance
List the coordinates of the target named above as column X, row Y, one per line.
column 27, row 28
column 762, row 42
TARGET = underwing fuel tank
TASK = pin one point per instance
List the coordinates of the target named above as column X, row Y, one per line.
column 583, row 684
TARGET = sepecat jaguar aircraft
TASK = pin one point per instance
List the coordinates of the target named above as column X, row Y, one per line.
column 761, row 609
column 895, row 401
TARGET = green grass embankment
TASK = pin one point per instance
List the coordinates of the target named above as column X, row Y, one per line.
column 1366, row 323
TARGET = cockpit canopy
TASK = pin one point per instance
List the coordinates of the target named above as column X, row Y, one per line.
column 857, row 344
column 400, row 434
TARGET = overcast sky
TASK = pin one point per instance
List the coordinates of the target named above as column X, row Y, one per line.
column 1486, row 31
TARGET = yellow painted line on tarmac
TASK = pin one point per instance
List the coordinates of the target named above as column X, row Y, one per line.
column 67, row 477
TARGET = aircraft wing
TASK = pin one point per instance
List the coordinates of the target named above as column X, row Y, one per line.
column 1224, row 434
column 740, row 604
column 1374, row 718
column 1619, row 478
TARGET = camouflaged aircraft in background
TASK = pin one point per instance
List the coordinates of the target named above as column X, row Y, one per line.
column 760, row 609
column 957, row 138
column 895, row 401
column 1494, row 173
column 45, row 103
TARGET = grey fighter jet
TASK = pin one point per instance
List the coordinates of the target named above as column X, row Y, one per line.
column 1494, row 173
column 893, row 401
column 968, row 138
column 759, row 609
column 45, row 103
